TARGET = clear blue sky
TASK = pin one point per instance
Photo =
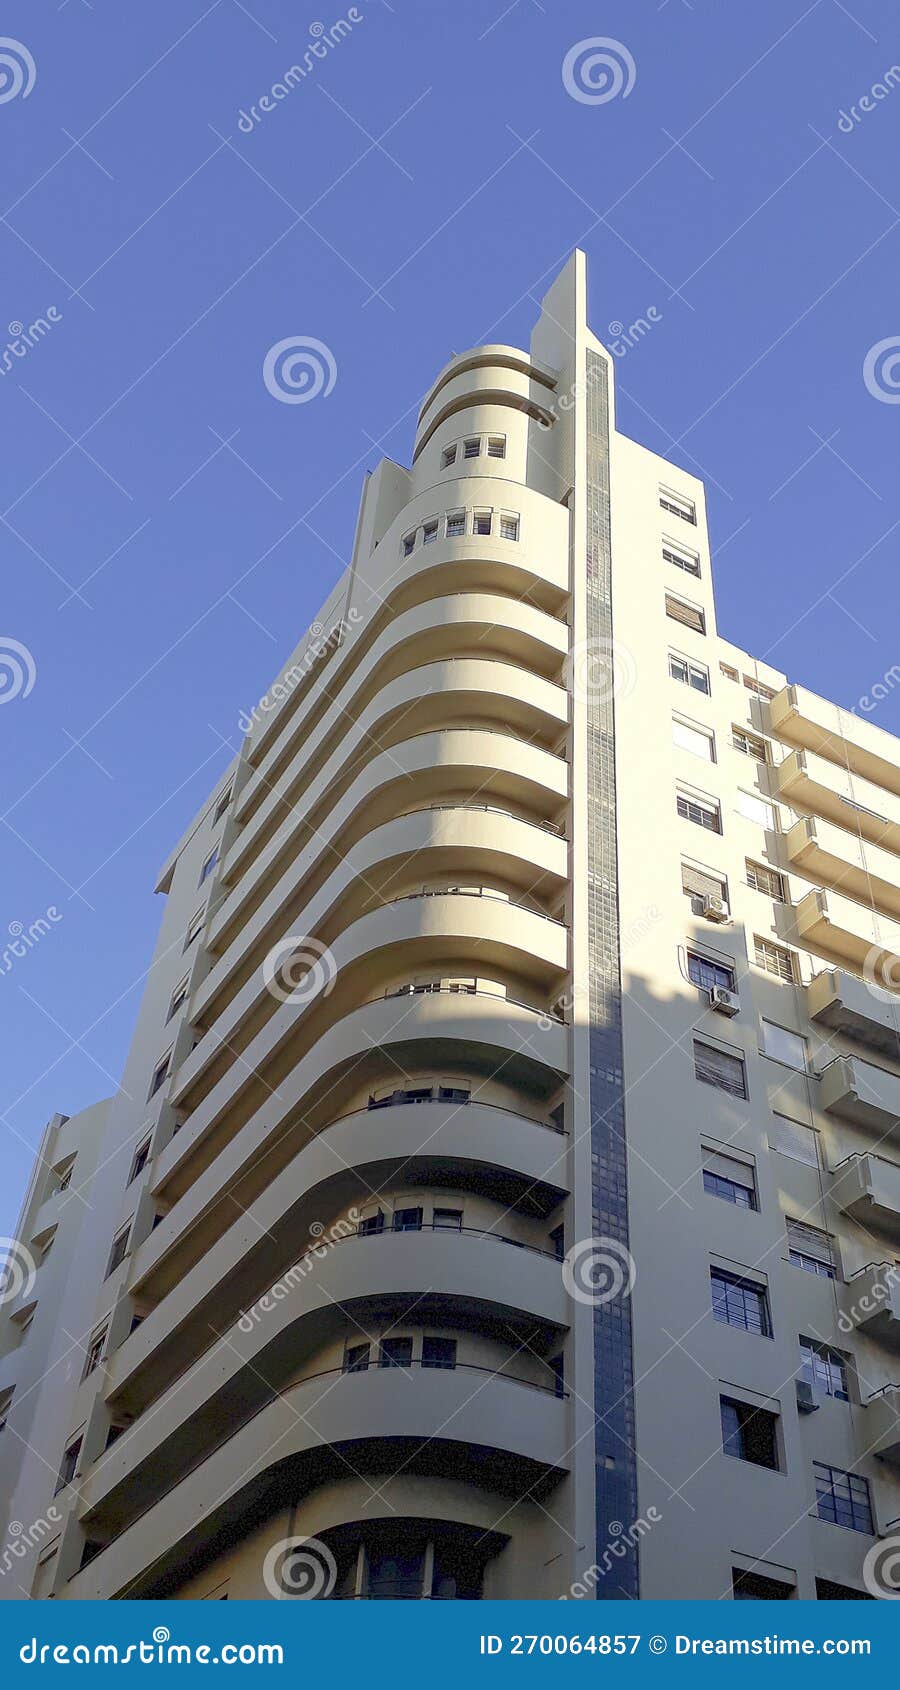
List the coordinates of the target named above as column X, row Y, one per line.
column 434, row 155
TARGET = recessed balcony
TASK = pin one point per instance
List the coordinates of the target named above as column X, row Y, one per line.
column 882, row 1424
column 848, row 1005
column 864, row 1094
column 845, row 932
column 803, row 719
column 812, row 783
column 867, row 1186
column 835, row 858
column 871, row 1300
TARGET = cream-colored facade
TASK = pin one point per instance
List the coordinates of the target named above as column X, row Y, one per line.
column 539, row 939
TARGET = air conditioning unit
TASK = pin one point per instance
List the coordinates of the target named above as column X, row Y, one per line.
column 715, row 909
column 727, row 1003
column 806, row 1397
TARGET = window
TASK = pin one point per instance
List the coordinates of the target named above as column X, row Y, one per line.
column 482, row 522
column 558, row 1241
column 179, row 996
column 700, row 884
column 496, row 446
column 755, row 1587
column 757, row 688
column 794, row 1139
column 690, row 674
column 703, row 972
column 731, row 1180
column 456, row 524
column 448, row 456
column 775, row 959
column 700, row 741
column 509, row 528
column 755, row 809
column 356, row 1358
column 750, row 1434
column 750, row 744
column 65, row 1179
column 69, row 1464
column 678, row 505
column 195, row 929
column 783, row 1046
column 409, row 542
column 222, row 806
column 765, row 880
column 452, row 1219
column 115, row 1432
column 438, row 1352
column 94, row 1353
column 139, row 1160
column 395, row 1352
column 681, row 610
column 119, row 1250
column 453, row 1094
column 703, row 812
column 371, row 1224
column 159, row 1074
column 557, row 1366
column 720, row 1068
column 688, row 561
column 407, row 1220
column 740, row 1302
column 430, row 532
column 729, row 673
column 828, row 1591
column 842, row 1498
column 823, row 1367
column 811, row 1249
column 209, row 865
column 471, row 448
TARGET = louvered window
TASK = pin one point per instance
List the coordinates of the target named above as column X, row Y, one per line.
column 811, row 1249
column 720, row 1068
column 697, row 883
column 682, row 611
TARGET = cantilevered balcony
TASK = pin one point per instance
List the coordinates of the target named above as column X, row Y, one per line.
column 871, row 1300
column 868, row 1188
column 882, row 1424
column 837, row 928
column 848, row 1005
column 864, row 1094
column 832, row 857
column 803, row 719
column 812, row 783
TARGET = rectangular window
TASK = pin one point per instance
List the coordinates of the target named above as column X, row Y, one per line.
column 438, row 1352
column 824, row 1368
column 448, row 456
column 395, row 1352
column 119, row 1250
column 729, row 673
column 842, row 1498
column 453, row 1094
column 690, row 674
column 740, row 1302
column 794, row 1139
column 750, row 1434
column 766, row 880
column 456, row 524
column 703, row 812
column 730, row 1190
column 194, row 930
column 140, row 1160
column 429, row 533
column 471, row 448
column 482, row 522
column 159, row 1074
column 775, row 959
column 756, row 1587
column 370, row 1225
column 782, row 1045
column 811, row 1249
column 95, row 1353
column 688, row 561
column 678, row 505
column 699, row 741
column 222, row 806
column 496, row 446
column 755, row 809
column 828, row 1591
column 409, row 543
column 407, row 1220
column 720, row 1068
column 700, row 884
column 681, row 610
column 509, row 528
column 356, row 1358
column 179, row 996
column 703, row 972
column 209, row 865
column 750, row 744
column 451, row 1219
column 69, row 1466
column 757, row 688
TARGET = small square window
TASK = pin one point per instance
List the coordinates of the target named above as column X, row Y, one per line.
column 119, row 1250
column 811, row 1249
column 729, row 673
column 728, row 1179
column 407, row 1220
column 775, row 959
column 690, row 674
column 449, row 1219
column 438, row 1352
column 750, row 1434
column 825, row 1369
column 482, row 522
column 703, row 812
column 509, row 528
column 688, row 561
column 448, row 456
column 782, row 1045
column 429, row 533
column 140, row 1160
column 705, row 972
column 677, row 505
column 740, row 1302
column 756, row 809
column 750, row 744
column 766, row 880
column 843, row 1498
column 699, row 741
column 471, row 448
column 159, row 1074
column 356, row 1358
column 681, row 610
column 496, row 446
column 209, row 865
column 395, row 1352
column 757, row 688
column 721, row 1068
column 456, row 524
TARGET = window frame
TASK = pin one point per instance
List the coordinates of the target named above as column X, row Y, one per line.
column 736, row 1282
column 692, row 666
column 734, row 1054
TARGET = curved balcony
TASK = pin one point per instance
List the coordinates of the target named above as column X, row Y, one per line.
column 301, row 1435
column 487, row 375
column 364, row 1151
column 455, row 840
column 450, row 764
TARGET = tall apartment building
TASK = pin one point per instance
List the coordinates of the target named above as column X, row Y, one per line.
column 504, row 1188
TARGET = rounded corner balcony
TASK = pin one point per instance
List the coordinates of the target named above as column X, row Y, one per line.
column 487, row 375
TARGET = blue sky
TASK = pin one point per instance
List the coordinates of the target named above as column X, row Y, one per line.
column 167, row 529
